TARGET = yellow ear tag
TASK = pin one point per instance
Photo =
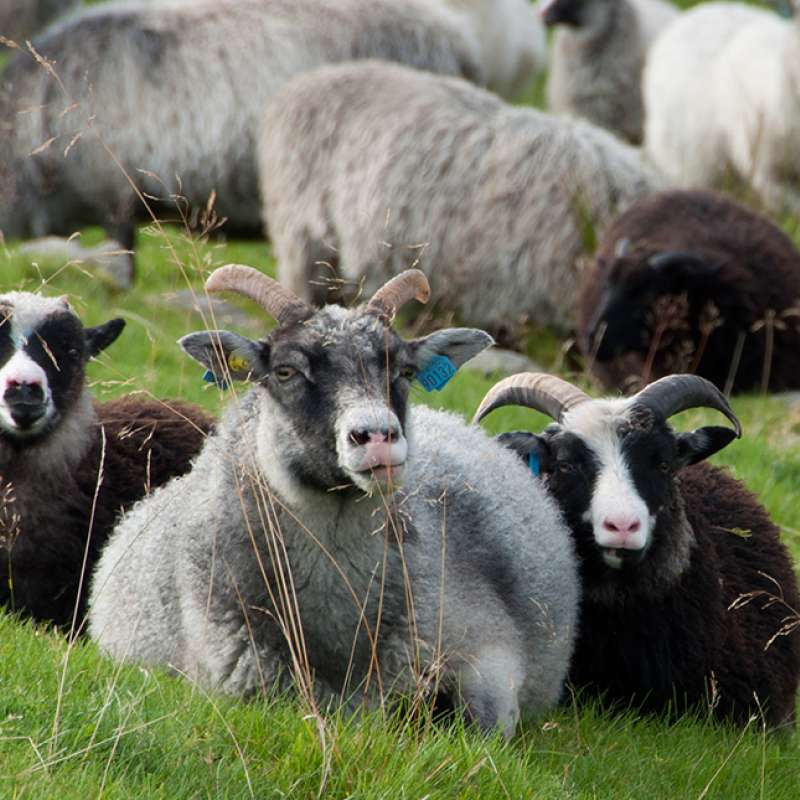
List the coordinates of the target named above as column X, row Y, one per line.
column 238, row 363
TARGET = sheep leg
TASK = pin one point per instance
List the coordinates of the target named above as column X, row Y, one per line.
column 489, row 687
column 125, row 233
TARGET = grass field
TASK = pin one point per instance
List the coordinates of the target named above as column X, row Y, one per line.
column 76, row 725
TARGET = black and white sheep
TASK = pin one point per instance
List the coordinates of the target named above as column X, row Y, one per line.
column 171, row 93
column 720, row 91
column 19, row 19
column 367, row 168
column 330, row 529
column 690, row 281
column 68, row 465
column 689, row 595
column 597, row 58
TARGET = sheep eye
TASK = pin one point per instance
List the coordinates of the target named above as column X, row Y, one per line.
column 664, row 467
column 565, row 468
column 284, row 372
column 409, row 373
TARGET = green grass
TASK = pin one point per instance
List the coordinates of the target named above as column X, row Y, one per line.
column 130, row 732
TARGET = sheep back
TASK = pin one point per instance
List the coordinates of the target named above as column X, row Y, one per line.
column 754, row 269
column 371, row 168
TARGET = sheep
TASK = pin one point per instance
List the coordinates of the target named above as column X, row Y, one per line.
column 161, row 100
column 720, row 91
column 690, row 281
column 367, row 167
column 21, row 18
column 69, row 465
column 291, row 545
column 597, row 57
column 689, row 596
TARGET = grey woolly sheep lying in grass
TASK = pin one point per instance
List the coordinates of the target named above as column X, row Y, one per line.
column 172, row 92
column 690, row 281
column 597, row 58
column 369, row 167
column 329, row 529
column 689, row 598
column 68, row 465
column 720, row 91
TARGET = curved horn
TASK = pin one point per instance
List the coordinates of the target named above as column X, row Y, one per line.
column 393, row 295
column 677, row 393
column 275, row 299
column 546, row 393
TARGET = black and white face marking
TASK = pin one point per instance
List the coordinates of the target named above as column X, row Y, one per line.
column 43, row 352
column 339, row 385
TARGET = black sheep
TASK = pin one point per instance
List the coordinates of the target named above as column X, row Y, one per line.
column 68, row 465
column 690, row 600
column 689, row 281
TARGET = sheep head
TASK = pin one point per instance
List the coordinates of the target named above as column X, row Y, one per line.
column 336, row 380
column 612, row 464
column 43, row 353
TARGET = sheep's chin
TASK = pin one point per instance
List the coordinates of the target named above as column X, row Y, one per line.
column 381, row 480
column 619, row 558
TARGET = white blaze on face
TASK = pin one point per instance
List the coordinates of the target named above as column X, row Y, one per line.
column 618, row 514
column 370, row 444
column 22, row 370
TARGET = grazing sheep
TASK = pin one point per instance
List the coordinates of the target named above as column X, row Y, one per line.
column 720, row 89
column 69, row 465
column 171, row 94
column 689, row 281
column 689, row 597
column 368, row 167
column 290, row 548
column 597, row 57
column 21, row 18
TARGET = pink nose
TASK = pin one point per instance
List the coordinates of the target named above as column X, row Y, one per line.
column 623, row 526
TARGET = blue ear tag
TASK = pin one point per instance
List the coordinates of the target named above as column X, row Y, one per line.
column 210, row 377
column 534, row 464
column 437, row 374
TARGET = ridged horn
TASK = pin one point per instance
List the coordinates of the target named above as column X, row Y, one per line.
column 537, row 390
column 395, row 293
column 676, row 393
column 275, row 299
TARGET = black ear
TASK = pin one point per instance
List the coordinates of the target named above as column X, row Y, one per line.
column 532, row 449
column 702, row 443
column 226, row 355
column 101, row 336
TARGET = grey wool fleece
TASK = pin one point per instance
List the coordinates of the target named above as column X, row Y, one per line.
column 474, row 566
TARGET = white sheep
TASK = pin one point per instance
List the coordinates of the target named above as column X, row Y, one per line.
column 372, row 167
column 330, row 529
column 720, row 88
column 597, row 57
column 171, row 93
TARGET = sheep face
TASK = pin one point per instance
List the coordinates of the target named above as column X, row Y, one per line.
column 43, row 353
column 632, row 292
column 612, row 466
column 335, row 391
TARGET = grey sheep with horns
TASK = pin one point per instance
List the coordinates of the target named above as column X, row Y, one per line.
column 330, row 529
column 370, row 168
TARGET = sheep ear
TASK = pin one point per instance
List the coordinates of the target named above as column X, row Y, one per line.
column 702, row 443
column 441, row 354
column 101, row 336
column 226, row 355
column 532, row 449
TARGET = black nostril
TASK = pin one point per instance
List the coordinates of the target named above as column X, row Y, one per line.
column 392, row 435
column 25, row 393
column 359, row 437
